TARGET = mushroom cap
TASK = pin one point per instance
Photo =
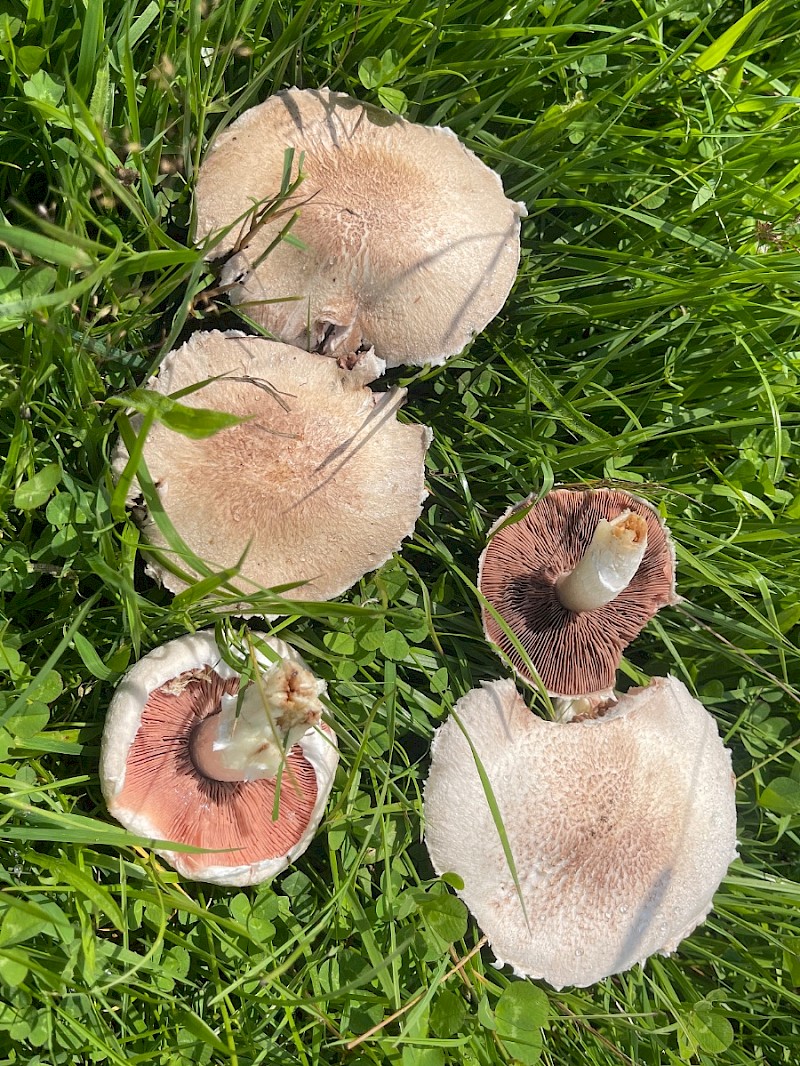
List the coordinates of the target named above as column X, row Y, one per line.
column 152, row 787
column 575, row 654
column 621, row 828
column 409, row 243
column 323, row 483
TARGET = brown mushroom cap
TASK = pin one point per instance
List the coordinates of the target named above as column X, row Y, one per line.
column 574, row 653
column 323, row 483
column 152, row 786
column 621, row 828
column 409, row 244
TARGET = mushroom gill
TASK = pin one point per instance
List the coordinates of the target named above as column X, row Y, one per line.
column 524, row 566
column 260, row 812
column 164, row 784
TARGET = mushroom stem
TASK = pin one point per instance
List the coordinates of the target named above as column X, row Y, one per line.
column 609, row 565
column 582, row 708
column 274, row 713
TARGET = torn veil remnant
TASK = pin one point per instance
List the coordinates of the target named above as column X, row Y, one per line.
column 320, row 486
column 178, row 763
column 575, row 579
column 620, row 828
column 407, row 241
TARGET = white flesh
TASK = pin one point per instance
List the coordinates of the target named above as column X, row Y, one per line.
column 609, row 565
column 254, row 743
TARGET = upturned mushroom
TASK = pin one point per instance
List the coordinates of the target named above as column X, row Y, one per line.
column 575, row 578
column 620, row 827
column 180, row 762
column 404, row 240
column 319, row 486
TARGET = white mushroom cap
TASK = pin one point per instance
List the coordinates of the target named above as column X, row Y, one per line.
column 323, row 483
column 409, row 244
column 154, row 789
column 621, row 828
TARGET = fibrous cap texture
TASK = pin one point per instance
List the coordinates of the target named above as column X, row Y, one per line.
column 320, row 486
column 573, row 653
column 409, row 244
column 621, row 828
column 153, row 788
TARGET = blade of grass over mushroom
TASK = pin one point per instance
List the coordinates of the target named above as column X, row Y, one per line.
column 200, row 590
column 219, row 581
column 513, row 639
column 194, row 422
column 57, row 827
column 239, row 647
column 176, row 549
column 262, row 216
column 134, row 442
column 283, row 234
column 262, row 212
column 519, row 648
column 497, row 817
column 515, row 515
column 257, row 679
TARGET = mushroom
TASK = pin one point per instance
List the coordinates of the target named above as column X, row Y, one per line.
column 620, row 827
column 179, row 763
column 404, row 239
column 575, row 578
column 320, row 484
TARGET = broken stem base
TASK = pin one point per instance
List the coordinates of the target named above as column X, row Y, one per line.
column 274, row 713
column 608, row 565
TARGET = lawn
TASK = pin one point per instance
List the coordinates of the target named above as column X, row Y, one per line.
column 651, row 339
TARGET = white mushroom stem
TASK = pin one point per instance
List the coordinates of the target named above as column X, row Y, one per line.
column 275, row 711
column 611, row 560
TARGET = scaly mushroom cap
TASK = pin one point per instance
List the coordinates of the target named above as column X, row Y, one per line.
column 152, row 786
column 621, row 828
column 574, row 653
column 409, row 244
column 323, row 483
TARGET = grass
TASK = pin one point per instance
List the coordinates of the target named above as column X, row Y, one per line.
column 651, row 338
